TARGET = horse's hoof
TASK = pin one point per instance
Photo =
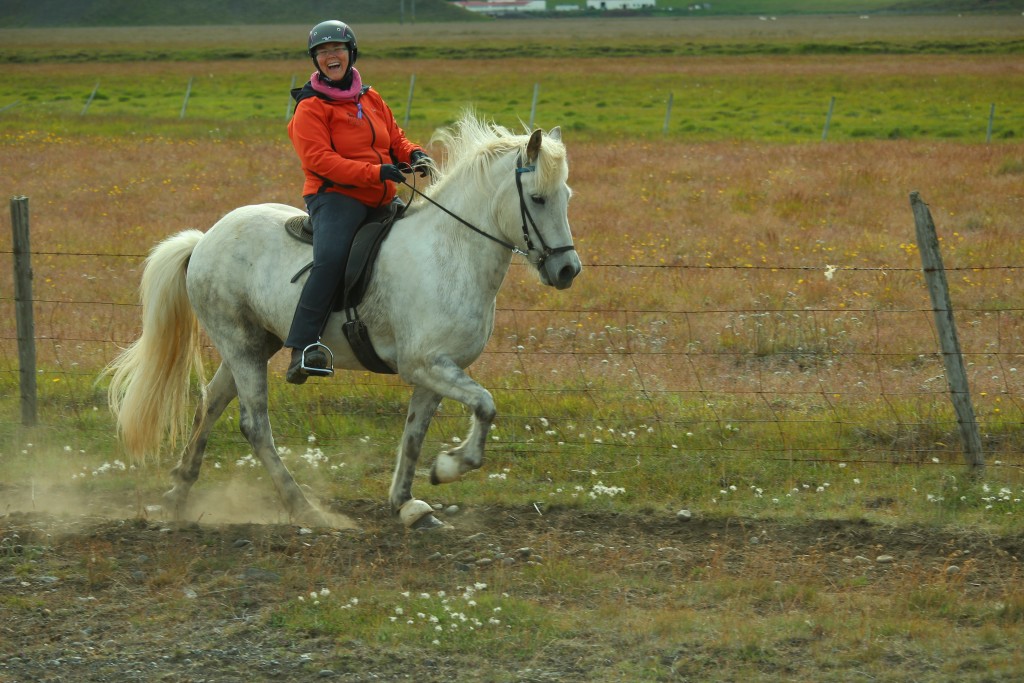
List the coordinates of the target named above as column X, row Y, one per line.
column 174, row 503
column 426, row 523
column 312, row 517
column 413, row 511
column 445, row 469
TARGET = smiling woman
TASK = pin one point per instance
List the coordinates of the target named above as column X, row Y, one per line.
column 333, row 60
column 348, row 144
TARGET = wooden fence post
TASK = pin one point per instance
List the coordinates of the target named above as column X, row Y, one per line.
column 828, row 118
column 956, row 374
column 92, row 96
column 291, row 101
column 23, row 310
column 533, row 106
column 188, row 93
column 668, row 115
column 408, row 102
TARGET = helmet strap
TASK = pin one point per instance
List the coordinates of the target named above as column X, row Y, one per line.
column 345, row 83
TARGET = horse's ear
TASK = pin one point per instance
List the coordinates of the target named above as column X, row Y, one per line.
column 555, row 133
column 533, row 147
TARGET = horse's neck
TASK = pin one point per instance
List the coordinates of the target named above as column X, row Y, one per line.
column 464, row 247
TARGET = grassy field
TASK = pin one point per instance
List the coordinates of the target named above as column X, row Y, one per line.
column 937, row 78
column 705, row 360
column 754, row 98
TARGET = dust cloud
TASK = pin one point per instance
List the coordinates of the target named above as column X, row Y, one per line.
column 61, row 492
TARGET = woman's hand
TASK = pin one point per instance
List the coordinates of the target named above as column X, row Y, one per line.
column 391, row 172
column 421, row 163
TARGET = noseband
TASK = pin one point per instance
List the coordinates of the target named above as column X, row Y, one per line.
column 544, row 253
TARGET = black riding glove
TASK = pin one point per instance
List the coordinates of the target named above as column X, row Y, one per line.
column 421, row 163
column 391, row 172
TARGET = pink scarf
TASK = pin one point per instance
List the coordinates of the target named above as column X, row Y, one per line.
column 349, row 94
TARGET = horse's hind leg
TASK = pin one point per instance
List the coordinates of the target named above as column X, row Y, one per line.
column 414, row 513
column 219, row 393
column 251, row 381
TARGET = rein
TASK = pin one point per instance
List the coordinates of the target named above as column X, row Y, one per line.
column 508, row 245
column 524, row 213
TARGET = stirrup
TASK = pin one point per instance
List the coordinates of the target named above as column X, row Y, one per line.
column 313, row 371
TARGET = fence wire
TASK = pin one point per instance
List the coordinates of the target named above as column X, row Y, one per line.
column 776, row 382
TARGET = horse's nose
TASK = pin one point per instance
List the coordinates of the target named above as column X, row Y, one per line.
column 566, row 274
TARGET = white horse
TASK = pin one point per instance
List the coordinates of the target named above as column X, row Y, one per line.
column 429, row 310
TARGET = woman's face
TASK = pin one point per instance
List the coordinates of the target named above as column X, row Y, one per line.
column 332, row 58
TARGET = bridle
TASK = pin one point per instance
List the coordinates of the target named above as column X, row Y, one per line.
column 544, row 253
column 525, row 215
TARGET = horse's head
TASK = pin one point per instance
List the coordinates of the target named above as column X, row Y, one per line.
column 529, row 205
column 542, row 170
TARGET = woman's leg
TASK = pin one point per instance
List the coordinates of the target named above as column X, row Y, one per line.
column 335, row 218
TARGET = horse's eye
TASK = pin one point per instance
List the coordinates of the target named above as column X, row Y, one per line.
column 537, row 199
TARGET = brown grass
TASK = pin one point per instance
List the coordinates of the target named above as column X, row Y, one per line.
column 682, row 242
column 704, row 301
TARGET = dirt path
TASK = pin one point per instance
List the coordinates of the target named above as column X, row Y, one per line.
column 91, row 599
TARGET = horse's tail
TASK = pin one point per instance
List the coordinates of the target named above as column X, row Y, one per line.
column 149, row 384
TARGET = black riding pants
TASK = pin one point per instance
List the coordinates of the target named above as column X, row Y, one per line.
column 335, row 218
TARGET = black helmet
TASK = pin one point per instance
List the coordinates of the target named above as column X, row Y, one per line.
column 333, row 31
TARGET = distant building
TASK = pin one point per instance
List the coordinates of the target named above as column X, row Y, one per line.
column 620, row 4
column 502, row 6
column 567, row 8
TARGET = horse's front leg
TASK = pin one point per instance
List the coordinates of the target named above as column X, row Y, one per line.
column 448, row 379
column 414, row 513
column 469, row 455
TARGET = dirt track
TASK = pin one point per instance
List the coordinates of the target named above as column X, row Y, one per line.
column 88, row 599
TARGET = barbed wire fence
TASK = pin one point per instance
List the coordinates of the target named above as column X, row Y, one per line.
column 776, row 382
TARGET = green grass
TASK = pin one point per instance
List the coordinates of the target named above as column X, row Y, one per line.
column 711, row 625
column 446, row 621
column 568, row 459
column 228, row 101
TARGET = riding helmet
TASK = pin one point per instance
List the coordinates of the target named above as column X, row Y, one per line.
column 333, row 31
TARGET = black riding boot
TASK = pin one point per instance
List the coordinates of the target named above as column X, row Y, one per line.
column 314, row 363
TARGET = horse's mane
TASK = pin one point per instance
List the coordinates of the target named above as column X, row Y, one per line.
column 471, row 144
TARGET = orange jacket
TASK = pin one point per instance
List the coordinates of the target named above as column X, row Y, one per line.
column 342, row 145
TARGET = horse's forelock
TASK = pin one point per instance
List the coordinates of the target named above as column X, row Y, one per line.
column 551, row 165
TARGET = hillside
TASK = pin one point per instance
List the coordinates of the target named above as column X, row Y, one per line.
column 41, row 13
column 75, row 13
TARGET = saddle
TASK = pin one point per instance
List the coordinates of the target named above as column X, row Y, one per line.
column 358, row 273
